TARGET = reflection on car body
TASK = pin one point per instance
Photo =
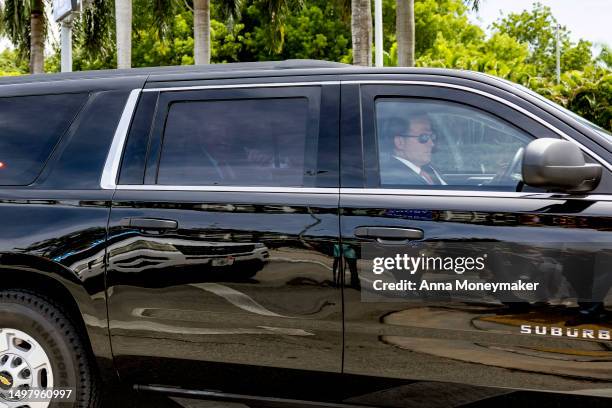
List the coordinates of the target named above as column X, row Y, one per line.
column 140, row 252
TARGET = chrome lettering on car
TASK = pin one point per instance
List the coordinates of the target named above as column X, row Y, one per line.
column 600, row 334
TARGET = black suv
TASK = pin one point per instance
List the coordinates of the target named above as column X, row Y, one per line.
column 300, row 231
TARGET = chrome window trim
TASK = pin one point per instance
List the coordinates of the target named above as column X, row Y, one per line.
column 231, row 189
column 113, row 159
column 239, row 86
column 364, row 191
column 472, row 193
column 495, row 98
column 449, row 193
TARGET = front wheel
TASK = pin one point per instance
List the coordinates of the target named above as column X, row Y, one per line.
column 43, row 359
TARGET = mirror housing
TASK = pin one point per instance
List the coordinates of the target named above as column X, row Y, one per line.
column 559, row 165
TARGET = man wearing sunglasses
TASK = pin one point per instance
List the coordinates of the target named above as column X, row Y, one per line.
column 413, row 141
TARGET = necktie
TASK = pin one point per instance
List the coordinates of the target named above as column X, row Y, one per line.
column 426, row 176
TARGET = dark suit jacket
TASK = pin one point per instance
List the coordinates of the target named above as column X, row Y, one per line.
column 394, row 172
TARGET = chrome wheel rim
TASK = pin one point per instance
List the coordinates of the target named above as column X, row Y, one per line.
column 24, row 365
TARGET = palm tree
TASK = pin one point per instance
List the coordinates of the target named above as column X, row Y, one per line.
column 24, row 23
column 163, row 11
column 201, row 32
column 278, row 11
column 37, row 37
column 361, row 31
column 94, row 28
column 404, row 26
column 123, row 17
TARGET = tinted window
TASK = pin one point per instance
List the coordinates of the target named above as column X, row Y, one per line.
column 79, row 158
column 235, row 142
column 134, row 156
column 433, row 143
column 30, row 126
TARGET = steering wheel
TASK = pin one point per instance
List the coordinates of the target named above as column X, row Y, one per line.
column 505, row 178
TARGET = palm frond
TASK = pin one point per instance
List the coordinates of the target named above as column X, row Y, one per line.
column 278, row 11
column 230, row 9
column 474, row 3
column 16, row 25
column 94, row 30
column 163, row 13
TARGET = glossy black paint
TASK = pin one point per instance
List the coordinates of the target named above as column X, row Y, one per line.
column 52, row 236
column 271, row 325
column 444, row 339
column 245, row 279
column 476, row 340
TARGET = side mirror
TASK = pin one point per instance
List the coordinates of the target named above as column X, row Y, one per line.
column 559, row 165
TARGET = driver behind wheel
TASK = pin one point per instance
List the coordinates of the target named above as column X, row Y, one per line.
column 412, row 141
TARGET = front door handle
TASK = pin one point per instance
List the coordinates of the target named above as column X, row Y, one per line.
column 389, row 234
column 149, row 223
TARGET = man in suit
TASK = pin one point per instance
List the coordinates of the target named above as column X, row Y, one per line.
column 408, row 163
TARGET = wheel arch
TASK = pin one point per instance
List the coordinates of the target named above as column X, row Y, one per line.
column 85, row 304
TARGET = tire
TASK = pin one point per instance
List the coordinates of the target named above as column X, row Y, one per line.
column 36, row 331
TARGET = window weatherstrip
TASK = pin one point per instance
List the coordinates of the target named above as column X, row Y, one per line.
column 239, row 86
column 113, row 161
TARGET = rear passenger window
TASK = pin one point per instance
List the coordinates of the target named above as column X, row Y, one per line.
column 30, row 127
column 238, row 142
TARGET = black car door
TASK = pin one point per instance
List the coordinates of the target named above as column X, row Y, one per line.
column 435, row 216
column 222, row 234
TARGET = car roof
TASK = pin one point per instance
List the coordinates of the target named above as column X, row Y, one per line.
column 154, row 76
column 299, row 67
column 170, row 70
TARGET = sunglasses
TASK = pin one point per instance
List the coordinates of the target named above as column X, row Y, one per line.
column 424, row 137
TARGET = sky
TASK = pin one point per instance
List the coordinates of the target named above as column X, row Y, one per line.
column 587, row 19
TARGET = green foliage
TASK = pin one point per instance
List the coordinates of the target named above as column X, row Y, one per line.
column 94, row 32
column 521, row 47
column 265, row 24
column 501, row 55
column 587, row 93
column 15, row 25
column 446, row 18
column 11, row 64
column 605, row 57
column 149, row 49
column 318, row 30
column 538, row 29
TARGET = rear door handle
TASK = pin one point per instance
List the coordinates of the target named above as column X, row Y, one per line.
column 149, row 223
column 385, row 235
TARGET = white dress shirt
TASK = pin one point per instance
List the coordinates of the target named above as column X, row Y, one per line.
column 417, row 169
